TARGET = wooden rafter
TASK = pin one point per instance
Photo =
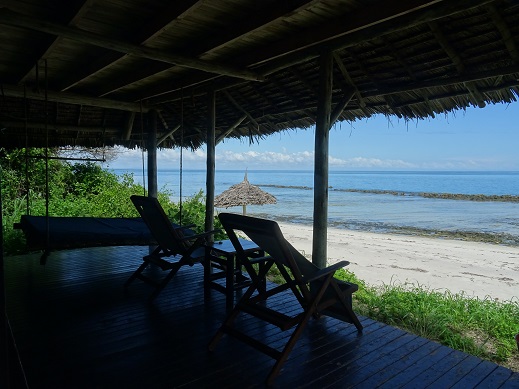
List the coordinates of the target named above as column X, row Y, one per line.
column 262, row 19
column 240, row 108
column 227, row 132
column 71, row 98
column 341, row 106
column 458, row 62
column 505, row 32
column 11, row 18
column 151, row 30
column 348, row 79
column 362, row 27
column 168, row 134
column 71, row 12
column 363, row 22
column 62, row 128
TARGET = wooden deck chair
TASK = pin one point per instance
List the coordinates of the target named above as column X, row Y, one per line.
column 177, row 245
column 318, row 292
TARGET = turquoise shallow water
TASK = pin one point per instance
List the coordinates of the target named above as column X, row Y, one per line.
column 372, row 211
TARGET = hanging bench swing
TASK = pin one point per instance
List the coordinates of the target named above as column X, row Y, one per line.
column 48, row 233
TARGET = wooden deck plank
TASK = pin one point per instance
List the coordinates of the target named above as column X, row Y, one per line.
column 399, row 369
column 498, row 377
column 76, row 328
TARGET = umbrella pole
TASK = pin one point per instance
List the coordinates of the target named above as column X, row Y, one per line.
column 244, row 209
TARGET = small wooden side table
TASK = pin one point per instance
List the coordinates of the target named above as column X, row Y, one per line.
column 221, row 256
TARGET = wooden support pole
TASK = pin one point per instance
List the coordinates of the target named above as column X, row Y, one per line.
column 211, row 156
column 152, row 156
column 322, row 131
column 4, row 347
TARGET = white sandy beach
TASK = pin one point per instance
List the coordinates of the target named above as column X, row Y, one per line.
column 477, row 269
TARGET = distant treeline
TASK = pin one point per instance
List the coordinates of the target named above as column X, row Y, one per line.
column 429, row 195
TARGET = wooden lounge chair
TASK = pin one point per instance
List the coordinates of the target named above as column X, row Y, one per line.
column 177, row 246
column 317, row 291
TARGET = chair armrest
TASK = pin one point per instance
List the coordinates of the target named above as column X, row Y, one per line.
column 187, row 226
column 201, row 235
column 327, row 270
column 254, row 260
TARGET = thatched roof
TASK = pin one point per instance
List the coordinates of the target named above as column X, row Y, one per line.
column 82, row 72
column 243, row 194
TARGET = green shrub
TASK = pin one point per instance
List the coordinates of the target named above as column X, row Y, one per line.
column 484, row 328
column 81, row 189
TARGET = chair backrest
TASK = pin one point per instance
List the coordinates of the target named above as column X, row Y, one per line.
column 267, row 235
column 160, row 226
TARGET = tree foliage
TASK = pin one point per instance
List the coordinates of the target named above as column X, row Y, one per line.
column 75, row 189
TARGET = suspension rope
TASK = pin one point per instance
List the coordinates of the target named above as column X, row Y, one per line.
column 27, row 185
column 181, row 150
column 47, row 155
column 142, row 151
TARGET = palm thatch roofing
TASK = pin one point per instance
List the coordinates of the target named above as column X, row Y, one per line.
column 89, row 72
column 243, row 194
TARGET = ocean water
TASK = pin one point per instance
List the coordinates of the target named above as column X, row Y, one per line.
column 371, row 210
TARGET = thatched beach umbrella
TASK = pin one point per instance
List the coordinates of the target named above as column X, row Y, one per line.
column 243, row 194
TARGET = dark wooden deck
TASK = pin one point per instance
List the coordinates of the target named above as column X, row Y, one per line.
column 75, row 328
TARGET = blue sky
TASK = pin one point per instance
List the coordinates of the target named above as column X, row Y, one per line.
column 475, row 139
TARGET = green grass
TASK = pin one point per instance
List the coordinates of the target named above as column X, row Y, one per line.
column 481, row 327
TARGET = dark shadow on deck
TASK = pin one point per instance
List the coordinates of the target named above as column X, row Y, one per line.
column 75, row 328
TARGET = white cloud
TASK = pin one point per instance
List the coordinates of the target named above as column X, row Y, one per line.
column 304, row 160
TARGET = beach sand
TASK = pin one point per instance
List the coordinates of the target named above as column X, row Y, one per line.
column 476, row 269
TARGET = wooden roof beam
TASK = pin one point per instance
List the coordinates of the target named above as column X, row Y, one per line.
column 360, row 25
column 71, row 98
column 227, row 132
column 505, row 32
column 168, row 134
column 164, row 21
column 353, row 33
column 509, row 84
column 71, row 12
column 11, row 18
column 348, row 79
column 447, row 47
column 358, row 28
column 458, row 62
column 261, row 19
column 60, row 127
column 239, row 107
column 341, row 106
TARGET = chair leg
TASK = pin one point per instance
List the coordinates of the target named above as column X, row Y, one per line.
column 136, row 273
column 355, row 320
column 164, row 282
column 274, row 372
column 221, row 331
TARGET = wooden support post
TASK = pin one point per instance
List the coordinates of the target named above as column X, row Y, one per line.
column 4, row 344
column 211, row 156
column 322, row 131
column 152, row 156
